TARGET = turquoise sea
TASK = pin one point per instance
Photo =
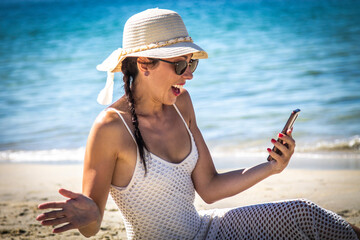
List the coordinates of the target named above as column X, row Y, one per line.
column 266, row 59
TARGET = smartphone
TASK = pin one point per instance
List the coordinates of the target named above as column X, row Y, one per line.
column 289, row 124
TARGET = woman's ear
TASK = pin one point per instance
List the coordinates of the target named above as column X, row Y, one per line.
column 144, row 65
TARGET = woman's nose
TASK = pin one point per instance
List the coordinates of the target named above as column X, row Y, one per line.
column 188, row 75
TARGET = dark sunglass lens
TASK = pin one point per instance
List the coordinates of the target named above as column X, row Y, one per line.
column 193, row 64
column 181, row 67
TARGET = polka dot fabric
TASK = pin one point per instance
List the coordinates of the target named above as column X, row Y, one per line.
column 160, row 205
column 291, row 219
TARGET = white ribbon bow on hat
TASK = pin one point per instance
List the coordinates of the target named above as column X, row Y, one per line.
column 106, row 94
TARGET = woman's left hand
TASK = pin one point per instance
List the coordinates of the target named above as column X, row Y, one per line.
column 279, row 162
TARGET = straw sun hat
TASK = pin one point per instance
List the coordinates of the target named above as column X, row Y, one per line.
column 154, row 33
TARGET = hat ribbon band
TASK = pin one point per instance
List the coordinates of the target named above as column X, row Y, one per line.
column 153, row 45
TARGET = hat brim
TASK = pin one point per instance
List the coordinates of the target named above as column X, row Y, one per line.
column 174, row 50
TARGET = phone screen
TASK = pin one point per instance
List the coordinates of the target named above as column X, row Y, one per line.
column 289, row 124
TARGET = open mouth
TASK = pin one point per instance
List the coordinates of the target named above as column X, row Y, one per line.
column 176, row 89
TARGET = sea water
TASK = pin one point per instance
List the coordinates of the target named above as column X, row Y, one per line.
column 266, row 58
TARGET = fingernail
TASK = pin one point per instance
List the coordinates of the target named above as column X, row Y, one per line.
column 268, row 149
column 281, row 135
column 273, row 140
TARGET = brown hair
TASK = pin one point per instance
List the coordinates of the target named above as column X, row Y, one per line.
column 130, row 71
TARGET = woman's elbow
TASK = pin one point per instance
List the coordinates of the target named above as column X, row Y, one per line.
column 209, row 201
column 90, row 230
column 207, row 193
column 88, row 233
column 208, row 198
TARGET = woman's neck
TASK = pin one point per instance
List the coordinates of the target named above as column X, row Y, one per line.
column 145, row 103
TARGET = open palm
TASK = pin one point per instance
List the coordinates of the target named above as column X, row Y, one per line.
column 76, row 212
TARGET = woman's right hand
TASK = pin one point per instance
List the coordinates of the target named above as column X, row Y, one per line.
column 77, row 212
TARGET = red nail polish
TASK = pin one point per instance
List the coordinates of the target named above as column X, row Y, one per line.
column 268, row 149
column 281, row 135
column 273, row 140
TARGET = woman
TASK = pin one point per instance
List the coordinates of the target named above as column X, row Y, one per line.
column 147, row 151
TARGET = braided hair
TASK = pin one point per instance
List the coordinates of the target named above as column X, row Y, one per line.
column 130, row 71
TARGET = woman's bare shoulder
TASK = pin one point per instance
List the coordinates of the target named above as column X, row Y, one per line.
column 108, row 125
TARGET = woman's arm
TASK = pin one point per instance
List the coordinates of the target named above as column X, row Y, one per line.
column 99, row 163
column 85, row 211
column 211, row 185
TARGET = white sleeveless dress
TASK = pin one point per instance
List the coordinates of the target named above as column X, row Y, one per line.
column 160, row 205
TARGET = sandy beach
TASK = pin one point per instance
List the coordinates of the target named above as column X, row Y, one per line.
column 24, row 186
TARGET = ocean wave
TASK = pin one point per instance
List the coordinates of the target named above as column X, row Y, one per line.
column 341, row 148
column 43, row 156
column 347, row 148
column 350, row 144
column 335, row 154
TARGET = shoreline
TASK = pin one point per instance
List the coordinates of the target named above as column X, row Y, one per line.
column 24, row 186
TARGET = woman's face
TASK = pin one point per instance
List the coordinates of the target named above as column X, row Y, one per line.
column 165, row 84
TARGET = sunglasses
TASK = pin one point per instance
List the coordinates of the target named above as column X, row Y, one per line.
column 181, row 66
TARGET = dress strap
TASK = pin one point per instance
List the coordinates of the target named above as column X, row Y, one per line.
column 122, row 118
column 187, row 127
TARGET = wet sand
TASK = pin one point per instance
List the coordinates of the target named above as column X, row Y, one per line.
column 24, row 186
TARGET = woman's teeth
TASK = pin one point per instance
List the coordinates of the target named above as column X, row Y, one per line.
column 178, row 86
